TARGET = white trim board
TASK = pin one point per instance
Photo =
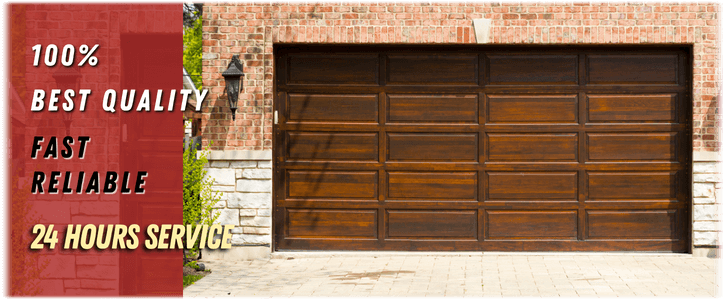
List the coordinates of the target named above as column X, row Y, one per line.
column 706, row 156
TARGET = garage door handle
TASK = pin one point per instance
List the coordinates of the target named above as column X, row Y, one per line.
column 275, row 118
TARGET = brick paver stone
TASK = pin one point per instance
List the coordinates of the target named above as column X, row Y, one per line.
column 484, row 275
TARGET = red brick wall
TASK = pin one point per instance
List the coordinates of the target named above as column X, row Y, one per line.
column 250, row 30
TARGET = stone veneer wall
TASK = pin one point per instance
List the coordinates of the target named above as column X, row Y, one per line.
column 706, row 196
column 245, row 180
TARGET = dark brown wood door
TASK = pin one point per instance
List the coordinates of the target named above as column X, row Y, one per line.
column 482, row 148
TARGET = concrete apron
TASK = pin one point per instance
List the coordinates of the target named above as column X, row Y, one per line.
column 479, row 274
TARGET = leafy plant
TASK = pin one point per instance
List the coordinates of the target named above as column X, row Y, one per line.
column 193, row 51
column 199, row 197
column 190, row 279
column 192, row 264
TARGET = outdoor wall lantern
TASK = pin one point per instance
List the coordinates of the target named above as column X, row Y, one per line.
column 67, row 79
column 232, row 78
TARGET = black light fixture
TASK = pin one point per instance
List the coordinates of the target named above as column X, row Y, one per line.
column 67, row 79
column 232, row 78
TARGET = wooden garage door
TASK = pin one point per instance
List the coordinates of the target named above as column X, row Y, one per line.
column 482, row 148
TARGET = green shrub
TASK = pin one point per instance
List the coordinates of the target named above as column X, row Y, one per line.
column 199, row 198
column 192, row 264
column 193, row 51
column 190, row 279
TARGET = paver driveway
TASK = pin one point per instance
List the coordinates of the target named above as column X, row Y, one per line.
column 478, row 274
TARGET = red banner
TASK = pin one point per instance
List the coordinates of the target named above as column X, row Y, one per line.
column 96, row 144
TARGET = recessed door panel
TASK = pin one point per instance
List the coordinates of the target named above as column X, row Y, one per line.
column 332, row 184
column 532, row 185
column 532, row 147
column 532, row 224
column 432, row 147
column 632, row 146
column 532, row 69
column 331, row 223
column 333, row 108
column 433, row 108
column 440, row 185
column 432, row 224
column 631, row 108
column 341, row 146
column 532, row 109
column 646, row 224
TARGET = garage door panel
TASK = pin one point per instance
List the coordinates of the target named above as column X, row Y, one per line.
column 631, row 185
column 482, row 148
column 532, row 108
column 331, row 223
column 439, row 128
column 634, row 166
column 440, row 185
column 433, row 69
column 532, row 69
column 532, row 185
column 516, row 204
column 632, row 69
column 632, row 146
column 632, row 108
column 658, row 245
column 336, row 108
column 625, row 127
column 333, row 69
column 531, row 224
column 433, row 108
column 317, row 184
column 459, row 224
column 333, row 146
column 532, row 147
column 635, row 224
column 432, row 147
column 531, row 128
column 629, row 204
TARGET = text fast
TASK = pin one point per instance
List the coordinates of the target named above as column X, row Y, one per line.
column 92, row 185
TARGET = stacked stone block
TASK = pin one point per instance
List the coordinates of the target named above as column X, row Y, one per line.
column 246, row 187
column 706, row 190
